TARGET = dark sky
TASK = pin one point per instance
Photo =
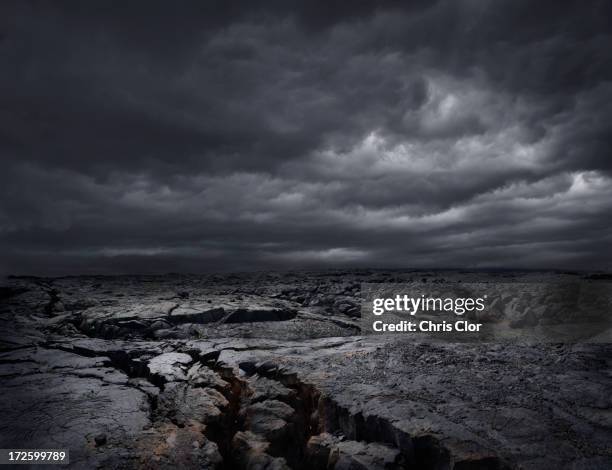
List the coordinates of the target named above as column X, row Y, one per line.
column 212, row 136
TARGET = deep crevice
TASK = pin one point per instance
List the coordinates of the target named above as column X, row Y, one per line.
column 315, row 413
column 321, row 413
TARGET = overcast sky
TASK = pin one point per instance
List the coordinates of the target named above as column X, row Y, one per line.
column 176, row 136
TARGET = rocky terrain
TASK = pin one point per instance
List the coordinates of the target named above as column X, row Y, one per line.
column 270, row 371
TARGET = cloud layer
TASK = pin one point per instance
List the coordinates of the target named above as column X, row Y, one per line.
column 203, row 137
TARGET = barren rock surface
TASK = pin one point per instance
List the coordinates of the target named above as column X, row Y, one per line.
column 270, row 371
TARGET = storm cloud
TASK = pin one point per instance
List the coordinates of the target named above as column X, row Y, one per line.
column 207, row 136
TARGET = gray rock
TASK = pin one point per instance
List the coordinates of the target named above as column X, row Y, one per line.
column 170, row 366
column 240, row 375
column 180, row 402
